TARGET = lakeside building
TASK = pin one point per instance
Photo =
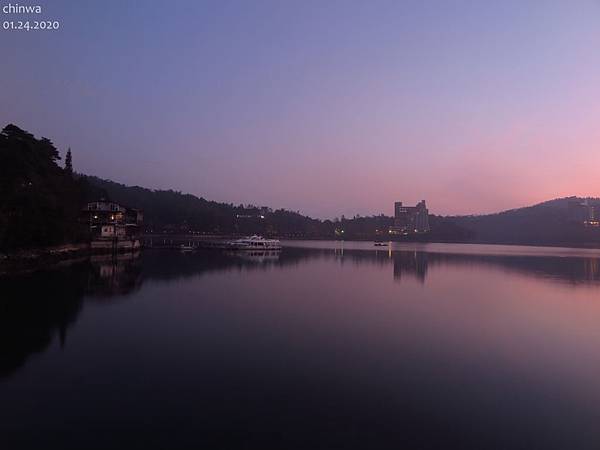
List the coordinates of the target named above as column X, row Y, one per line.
column 586, row 212
column 410, row 219
column 113, row 226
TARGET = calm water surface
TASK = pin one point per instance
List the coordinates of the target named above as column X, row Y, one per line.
column 325, row 345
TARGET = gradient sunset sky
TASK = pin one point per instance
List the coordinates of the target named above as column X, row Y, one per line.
column 326, row 107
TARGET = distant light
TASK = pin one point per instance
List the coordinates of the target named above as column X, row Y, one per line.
column 262, row 217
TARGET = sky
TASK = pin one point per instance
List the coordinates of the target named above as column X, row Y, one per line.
column 325, row 107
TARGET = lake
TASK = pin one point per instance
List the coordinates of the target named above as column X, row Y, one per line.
column 327, row 345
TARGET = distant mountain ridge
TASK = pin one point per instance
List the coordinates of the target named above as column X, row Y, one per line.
column 546, row 223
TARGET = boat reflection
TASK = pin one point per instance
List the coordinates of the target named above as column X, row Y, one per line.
column 256, row 256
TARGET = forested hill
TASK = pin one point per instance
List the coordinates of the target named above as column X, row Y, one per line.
column 40, row 203
column 545, row 223
column 39, row 200
column 174, row 211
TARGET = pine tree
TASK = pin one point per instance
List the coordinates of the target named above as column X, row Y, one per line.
column 69, row 162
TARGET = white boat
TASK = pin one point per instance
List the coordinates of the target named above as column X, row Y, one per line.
column 255, row 256
column 187, row 248
column 254, row 243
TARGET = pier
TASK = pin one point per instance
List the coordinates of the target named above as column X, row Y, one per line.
column 175, row 241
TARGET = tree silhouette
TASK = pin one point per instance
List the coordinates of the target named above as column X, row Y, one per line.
column 69, row 162
column 39, row 201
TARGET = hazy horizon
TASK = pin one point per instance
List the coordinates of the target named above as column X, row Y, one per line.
column 328, row 109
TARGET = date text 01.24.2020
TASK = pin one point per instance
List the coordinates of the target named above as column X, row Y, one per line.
column 30, row 25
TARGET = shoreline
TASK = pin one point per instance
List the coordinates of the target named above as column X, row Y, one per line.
column 32, row 259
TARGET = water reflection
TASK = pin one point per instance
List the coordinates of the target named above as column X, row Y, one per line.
column 570, row 270
column 36, row 307
column 403, row 347
column 111, row 277
column 415, row 264
column 33, row 309
column 411, row 264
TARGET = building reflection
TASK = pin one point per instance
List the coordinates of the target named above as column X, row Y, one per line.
column 417, row 265
column 114, row 276
column 410, row 264
column 406, row 264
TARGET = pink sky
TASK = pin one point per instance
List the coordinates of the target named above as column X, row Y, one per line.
column 329, row 109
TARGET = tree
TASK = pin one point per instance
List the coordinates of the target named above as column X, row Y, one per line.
column 69, row 162
column 39, row 201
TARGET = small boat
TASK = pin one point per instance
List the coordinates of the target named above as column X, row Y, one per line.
column 254, row 243
column 187, row 248
column 380, row 244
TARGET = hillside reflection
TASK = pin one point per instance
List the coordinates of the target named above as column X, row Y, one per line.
column 416, row 264
column 37, row 308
